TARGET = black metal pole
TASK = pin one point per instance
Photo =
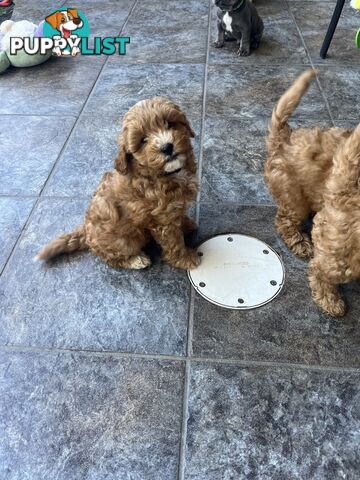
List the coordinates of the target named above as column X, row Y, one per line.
column 332, row 27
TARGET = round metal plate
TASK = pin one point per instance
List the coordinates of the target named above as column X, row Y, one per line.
column 237, row 272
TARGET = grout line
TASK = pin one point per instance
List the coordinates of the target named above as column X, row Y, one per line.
column 183, row 432
column 21, row 233
column 40, row 196
column 311, row 63
column 255, row 66
column 190, row 324
column 275, row 365
column 37, row 115
column 185, row 406
column 48, row 197
column 241, row 363
column 14, row 195
column 211, row 203
column 185, row 403
column 90, row 352
column 197, row 214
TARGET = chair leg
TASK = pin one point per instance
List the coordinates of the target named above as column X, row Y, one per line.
column 332, row 27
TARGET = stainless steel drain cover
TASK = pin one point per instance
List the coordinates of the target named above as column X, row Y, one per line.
column 238, row 272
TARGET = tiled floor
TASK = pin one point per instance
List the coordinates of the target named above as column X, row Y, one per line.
column 109, row 374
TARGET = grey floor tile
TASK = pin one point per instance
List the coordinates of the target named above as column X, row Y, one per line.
column 233, row 158
column 108, row 19
column 338, row 85
column 346, row 123
column 342, row 50
column 72, row 416
column 314, row 16
column 78, row 302
column 29, row 147
column 179, row 47
column 262, row 423
column 281, row 42
column 234, row 153
column 313, row 19
column 290, row 328
column 168, row 31
column 89, row 154
column 166, row 14
column 240, row 91
column 13, row 214
column 34, row 11
column 121, row 86
column 58, row 87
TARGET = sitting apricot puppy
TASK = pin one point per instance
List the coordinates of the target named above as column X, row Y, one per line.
column 146, row 195
column 303, row 169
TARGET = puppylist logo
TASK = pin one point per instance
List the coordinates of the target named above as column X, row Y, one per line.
column 66, row 32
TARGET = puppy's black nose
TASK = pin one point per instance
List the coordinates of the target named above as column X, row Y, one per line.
column 77, row 20
column 167, row 148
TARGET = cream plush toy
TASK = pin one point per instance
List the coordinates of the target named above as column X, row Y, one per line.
column 21, row 29
column 15, row 29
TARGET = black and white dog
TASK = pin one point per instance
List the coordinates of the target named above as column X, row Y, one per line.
column 239, row 20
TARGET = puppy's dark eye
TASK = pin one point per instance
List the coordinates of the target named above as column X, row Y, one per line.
column 171, row 125
column 143, row 140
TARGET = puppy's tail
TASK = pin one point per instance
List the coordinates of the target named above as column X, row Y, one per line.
column 66, row 243
column 279, row 130
column 345, row 177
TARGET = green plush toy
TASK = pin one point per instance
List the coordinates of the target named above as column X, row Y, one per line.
column 21, row 29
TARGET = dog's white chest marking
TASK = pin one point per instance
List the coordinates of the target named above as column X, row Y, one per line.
column 228, row 21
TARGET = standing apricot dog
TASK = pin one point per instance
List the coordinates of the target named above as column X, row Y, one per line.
column 146, row 195
column 316, row 170
column 336, row 231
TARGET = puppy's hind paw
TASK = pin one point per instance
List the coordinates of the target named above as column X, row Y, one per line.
column 333, row 305
column 243, row 52
column 137, row 262
column 218, row 44
column 304, row 248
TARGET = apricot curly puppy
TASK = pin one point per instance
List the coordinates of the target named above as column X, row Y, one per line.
column 336, row 230
column 146, row 195
column 301, row 170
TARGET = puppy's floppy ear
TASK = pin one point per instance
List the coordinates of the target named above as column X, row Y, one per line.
column 188, row 126
column 122, row 160
column 181, row 118
column 54, row 20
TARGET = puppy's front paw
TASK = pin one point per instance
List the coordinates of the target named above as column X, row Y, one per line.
column 243, row 52
column 137, row 262
column 333, row 305
column 218, row 44
column 188, row 261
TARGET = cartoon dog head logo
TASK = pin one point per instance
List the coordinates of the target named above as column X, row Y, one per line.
column 68, row 26
column 65, row 21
